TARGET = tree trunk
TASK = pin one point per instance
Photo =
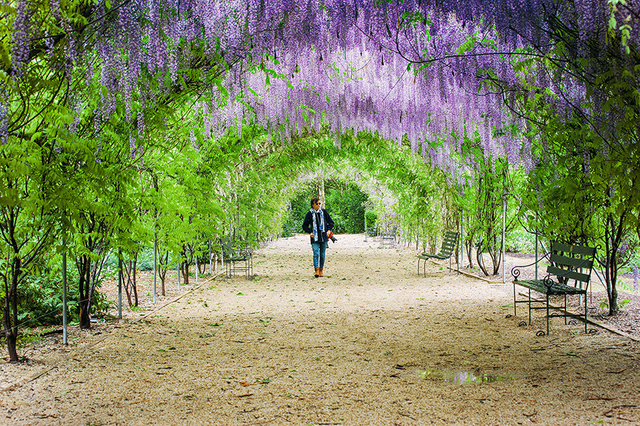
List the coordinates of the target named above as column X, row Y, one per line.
column 496, row 262
column 85, row 318
column 10, row 310
column 130, row 285
column 162, row 271
column 134, row 275
column 481, row 262
column 613, row 301
column 613, row 238
column 84, row 284
column 184, row 268
column 469, row 245
column 320, row 186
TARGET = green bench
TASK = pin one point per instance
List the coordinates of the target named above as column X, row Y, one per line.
column 446, row 251
column 238, row 257
column 568, row 273
column 388, row 237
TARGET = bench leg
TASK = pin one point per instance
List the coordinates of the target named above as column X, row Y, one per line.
column 529, row 306
column 515, row 310
column 585, row 312
column 424, row 267
column 548, row 315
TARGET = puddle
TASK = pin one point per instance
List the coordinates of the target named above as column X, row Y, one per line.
column 461, row 377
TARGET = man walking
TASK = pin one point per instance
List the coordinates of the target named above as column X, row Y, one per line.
column 318, row 224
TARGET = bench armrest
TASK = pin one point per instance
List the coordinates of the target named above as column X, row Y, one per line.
column 515, row 271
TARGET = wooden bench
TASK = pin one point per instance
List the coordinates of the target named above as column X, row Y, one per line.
column 446, row 251
column 568, row 273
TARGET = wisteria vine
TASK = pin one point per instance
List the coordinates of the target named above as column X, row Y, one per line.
column 411, row 67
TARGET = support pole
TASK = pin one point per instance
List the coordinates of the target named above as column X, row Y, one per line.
column 537, row 242
column 461, row 239
column 504, row 224
column 155, row 264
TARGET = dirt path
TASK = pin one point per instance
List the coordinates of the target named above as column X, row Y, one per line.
column 372, row 343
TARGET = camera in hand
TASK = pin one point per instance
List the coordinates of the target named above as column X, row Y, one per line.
column 334, row 239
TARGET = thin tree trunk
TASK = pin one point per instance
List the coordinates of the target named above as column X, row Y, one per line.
column 184, row 267
column 613, row 236
column 162, row 272
column 10, row 310
column 134, row 275
column 321, row 190
column 131, row 286
column 479, row 258
column 83, row 264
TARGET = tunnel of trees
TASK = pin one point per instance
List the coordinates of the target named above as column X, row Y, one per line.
column 129, row 123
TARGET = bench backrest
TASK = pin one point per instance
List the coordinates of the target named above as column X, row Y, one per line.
column 449, row 243
column 227, row 247
column 231, row 248
column 571, row 262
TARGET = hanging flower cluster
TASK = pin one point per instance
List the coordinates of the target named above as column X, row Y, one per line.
column 409, row 67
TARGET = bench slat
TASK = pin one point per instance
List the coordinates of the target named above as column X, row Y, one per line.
column 567, row 248
column 572, row 275
column 554, row 289
column 533, row 285
column 572, row 262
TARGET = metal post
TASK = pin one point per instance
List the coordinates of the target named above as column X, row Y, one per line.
column 178, row 275
column 504, row 224
column 537, row 255
column 461, row 239
column 196, row 268
column 210, row 269
column 155, row 264
column 64, row 293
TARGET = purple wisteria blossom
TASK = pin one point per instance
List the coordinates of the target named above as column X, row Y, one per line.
column 395, row 68
column 624, row 245
column 96, row 154
column 20, row 50
column 4, row 119
column 132, row 147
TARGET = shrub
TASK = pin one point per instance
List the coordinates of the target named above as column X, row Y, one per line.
column 40, row 301
column 345, row 204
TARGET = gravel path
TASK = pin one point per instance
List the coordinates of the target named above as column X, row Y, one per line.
column 371, row 343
